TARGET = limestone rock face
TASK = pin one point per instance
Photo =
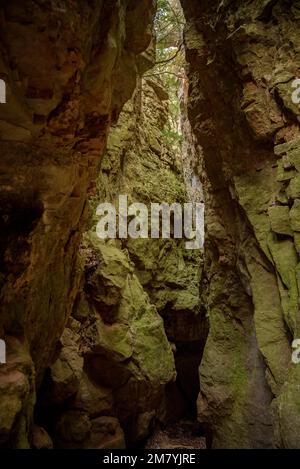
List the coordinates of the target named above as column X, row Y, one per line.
column 132, row 332
column 66, row 371
column 68, row 67
column 128, row 283
column 75, row 430
column 142, row 163
column 17, row 394
column 136, row 296
column 127, row 349
column 93, row 399
column 40, row 438
column 243, row 58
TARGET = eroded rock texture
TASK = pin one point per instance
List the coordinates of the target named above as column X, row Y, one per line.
column 243, row 58
column 69, row 67
column 138, row 312
column 142, row 163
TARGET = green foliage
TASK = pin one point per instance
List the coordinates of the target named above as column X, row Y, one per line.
column 170, row 61
column 168, row 27
column 171, row 138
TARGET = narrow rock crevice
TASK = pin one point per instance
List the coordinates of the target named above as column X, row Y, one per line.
column 136, row 342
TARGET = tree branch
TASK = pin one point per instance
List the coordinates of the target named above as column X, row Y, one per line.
column 170, row 58
column 161, row 73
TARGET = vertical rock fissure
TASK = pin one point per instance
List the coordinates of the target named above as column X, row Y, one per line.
column 127, row 362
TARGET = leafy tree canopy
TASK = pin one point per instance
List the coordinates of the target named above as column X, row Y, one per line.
column 170, row 60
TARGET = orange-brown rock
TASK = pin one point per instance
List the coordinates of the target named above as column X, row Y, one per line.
column 69, row 67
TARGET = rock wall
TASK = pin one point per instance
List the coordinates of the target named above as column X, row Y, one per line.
column 138, row 312
column 143, row 163
column 104, row 338
column 69, row 67
column 243, row 58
